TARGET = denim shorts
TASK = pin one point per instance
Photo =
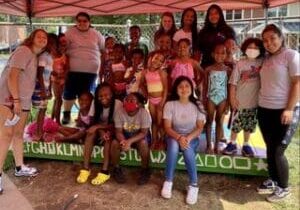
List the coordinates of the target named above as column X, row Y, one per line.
column 78, row 83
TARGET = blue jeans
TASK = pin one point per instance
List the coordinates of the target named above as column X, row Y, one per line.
column 189, row 155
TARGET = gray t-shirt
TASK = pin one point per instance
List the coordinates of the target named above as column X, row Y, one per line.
column 105, row 113
column 83, row 50
column 275, row 75
column 24, row 59
column 131, row 125
column 182, row 116
column 245, row 76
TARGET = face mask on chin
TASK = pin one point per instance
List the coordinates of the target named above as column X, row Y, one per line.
column 130, row 106
column 252, row 53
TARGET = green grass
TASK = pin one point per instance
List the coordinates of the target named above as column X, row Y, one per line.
column 293, row 156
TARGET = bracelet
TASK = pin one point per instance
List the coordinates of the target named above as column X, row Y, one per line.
column 16, row 99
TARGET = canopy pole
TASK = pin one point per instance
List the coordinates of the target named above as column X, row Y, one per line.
column 29, row 14
column 266, row 6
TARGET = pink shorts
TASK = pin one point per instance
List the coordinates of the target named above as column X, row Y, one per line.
column 155, row 100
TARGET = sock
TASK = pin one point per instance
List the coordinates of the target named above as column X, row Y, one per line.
column 105, row 172
column 18, row 168
column 233, row 141
column 246, row 144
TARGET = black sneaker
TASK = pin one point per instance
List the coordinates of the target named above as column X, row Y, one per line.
column 267, row 187
column 66, row 117
column 118, row 175
column 144, row 176
column 279, row 194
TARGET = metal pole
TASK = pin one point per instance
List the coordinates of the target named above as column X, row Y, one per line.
column 266, row 8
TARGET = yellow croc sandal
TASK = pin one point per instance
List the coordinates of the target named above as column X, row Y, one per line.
column 83, row 176
column 100, row 179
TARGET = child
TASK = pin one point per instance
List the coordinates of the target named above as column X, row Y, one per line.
column 42, row 91
column 244, row 86
column 135, row 35
column 216, row 90
column 103, row 110
column 184, row 65
column 231, row 49
column 106, row 60
column 118, row 69
column 133, row 74
column 82, row 123
column 157, row 87
column 59, row 73
column 188, row 29
column 132, row 124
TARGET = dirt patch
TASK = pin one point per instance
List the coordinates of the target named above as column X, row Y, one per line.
column 55, row 185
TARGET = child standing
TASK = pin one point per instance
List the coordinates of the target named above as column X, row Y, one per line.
column 184, row 65
column 132, row 124
column 188, row 29
column 157, row 88
column 135, row 35
column 244, row 87
column 82, row 123
column 59, row 73
column 118, row 69
column 106, row 60
column 216, row 90
column 133, row 74
column 103, row 110
column 42, row 90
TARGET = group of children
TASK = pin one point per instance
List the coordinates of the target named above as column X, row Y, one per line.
column 129, row 75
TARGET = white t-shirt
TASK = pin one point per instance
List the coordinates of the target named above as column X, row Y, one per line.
column 275, row 74
column 83, row 49
column 182, row 116
column 180, row 34
column 245, row 76
column 24, row 59
column 105, row 113
column 45, row 60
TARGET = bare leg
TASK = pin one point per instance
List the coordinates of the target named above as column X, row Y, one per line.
column 115, row 153
column 6, row 134
column 40, row 123
column 17, row 140
column 106, row 159
column 219, row 124
column 144, row 153
column 210, row 118
column 154, row 128
column 88, row 149
column 246, row 137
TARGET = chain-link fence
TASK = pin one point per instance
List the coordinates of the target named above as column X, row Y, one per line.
column 11, row 35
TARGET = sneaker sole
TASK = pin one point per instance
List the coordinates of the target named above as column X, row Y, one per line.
column 247, row 155
column 266, row 191
column 32, row 175
column 229, row 153
column 279, row 199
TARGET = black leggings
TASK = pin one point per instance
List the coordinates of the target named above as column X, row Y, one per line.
column 277, row 138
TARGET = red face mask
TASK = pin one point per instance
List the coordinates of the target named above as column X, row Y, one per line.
column 130, row 106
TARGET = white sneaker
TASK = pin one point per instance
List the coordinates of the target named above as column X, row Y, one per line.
column 192, row 195
column 166, row 191
column 26, row 171
column 1, row 189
